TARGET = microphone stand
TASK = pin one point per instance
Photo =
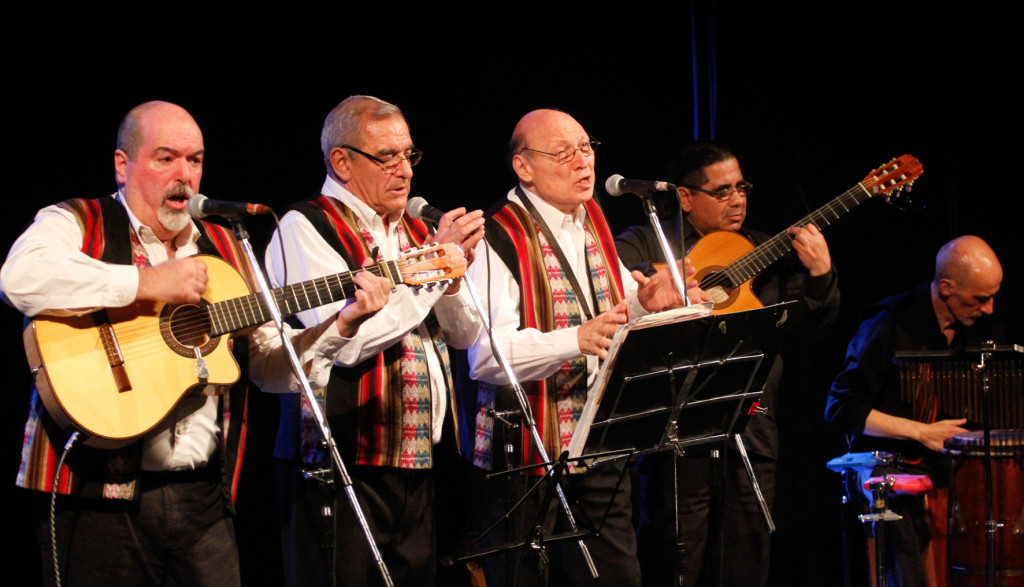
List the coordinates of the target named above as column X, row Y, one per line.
column 652, row 213
column 346, row 481
column 528, row 420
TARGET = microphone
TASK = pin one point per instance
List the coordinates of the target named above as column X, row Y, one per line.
column 199, row 206
column 419, row 209
column 618, row 185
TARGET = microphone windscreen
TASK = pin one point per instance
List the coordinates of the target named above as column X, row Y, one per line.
column 195, row 206
column 611, row 185
column 415, row 207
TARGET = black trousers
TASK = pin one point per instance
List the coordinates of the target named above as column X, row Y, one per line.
column 713, row 495
column 398, row 504
column 613, row 551
column 178, row 533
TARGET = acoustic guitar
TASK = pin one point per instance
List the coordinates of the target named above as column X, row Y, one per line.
column 115, row 373
column 726, row 262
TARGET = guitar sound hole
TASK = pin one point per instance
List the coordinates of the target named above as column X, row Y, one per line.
column 717, row 286
column 190, row 326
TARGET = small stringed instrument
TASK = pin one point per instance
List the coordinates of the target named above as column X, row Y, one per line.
column 115, row 373
column 726, row 262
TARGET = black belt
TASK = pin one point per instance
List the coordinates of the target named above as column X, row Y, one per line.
column 155, row 478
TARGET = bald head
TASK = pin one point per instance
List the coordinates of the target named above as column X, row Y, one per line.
column 967, row 277
column 130, row 131
column 537, row 138
column 967, row 259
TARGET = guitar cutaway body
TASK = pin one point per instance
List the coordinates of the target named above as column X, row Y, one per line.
column 116, row 373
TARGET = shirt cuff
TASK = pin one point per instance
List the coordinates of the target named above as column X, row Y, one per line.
column 124, row 284
column 634, row 309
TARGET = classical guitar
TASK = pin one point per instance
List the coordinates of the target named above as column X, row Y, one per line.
column 727, row 262
column 115, row 373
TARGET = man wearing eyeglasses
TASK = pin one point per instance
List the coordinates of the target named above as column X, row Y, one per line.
column 553, row 336
column 389, row 392
column 713, row 195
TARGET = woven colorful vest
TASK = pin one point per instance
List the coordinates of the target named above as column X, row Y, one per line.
column 547, row 303
column 389, row 422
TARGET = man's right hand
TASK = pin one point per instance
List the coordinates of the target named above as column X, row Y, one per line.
column 935, row 435
column 931, row 435
column 595, row 336
column 372, row 295
column 174, row 281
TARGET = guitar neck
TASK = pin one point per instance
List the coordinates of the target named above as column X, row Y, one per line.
column 746, row 267
column 239, row 313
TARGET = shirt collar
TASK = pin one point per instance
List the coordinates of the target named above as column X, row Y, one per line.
column 188, row 235
column 554, row 217
column 367, row 215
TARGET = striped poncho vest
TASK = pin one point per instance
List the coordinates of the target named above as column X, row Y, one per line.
column 364, row 403
column 517, row 240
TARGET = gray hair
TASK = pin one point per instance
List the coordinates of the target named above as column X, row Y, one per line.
column 343, row 125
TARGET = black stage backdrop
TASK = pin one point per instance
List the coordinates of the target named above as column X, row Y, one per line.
column 810, row 101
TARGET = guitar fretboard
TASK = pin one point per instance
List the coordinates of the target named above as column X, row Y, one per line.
column 770, row 251
column 238, row 313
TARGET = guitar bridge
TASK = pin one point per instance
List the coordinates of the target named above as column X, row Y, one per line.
column 113, row 351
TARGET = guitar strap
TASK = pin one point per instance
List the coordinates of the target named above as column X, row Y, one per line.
column 567, row 268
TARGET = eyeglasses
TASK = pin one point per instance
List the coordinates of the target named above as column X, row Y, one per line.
column 726, row 192
column 566, row 155
column 391, row 162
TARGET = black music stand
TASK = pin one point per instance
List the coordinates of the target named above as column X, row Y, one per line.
column 679, row 381
column 535, row 538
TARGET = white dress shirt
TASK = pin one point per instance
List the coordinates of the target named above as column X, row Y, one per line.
column 309, row 256
column 532, row 354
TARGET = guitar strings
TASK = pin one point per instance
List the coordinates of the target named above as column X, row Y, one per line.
column 200, row 321
column 780, row 244
column 239, row 312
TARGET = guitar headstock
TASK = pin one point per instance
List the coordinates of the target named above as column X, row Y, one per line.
column 889, row 179
column 432, row 264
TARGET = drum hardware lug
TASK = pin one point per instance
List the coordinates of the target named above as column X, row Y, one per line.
column 323, row 475
column 991, row 526
column 956, row 521
column 886, row 516
column 1018, row 528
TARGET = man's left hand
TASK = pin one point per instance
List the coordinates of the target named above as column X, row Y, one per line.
column 812, row 249
column 658, row 292
column 464, row 229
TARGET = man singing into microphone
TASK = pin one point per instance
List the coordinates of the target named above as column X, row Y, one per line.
column 554, row 337
column 389, row 392
column 157, row 511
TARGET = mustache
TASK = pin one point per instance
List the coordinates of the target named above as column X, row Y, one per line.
column 181, row 189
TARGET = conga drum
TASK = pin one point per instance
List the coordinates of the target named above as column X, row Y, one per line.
column 967, row 509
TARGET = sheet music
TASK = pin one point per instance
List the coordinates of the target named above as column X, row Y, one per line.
column 596, row 391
